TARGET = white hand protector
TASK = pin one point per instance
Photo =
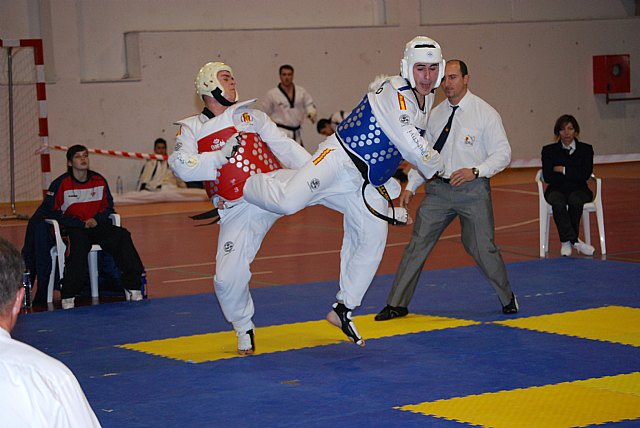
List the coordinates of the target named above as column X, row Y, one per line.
column 231, row 146
column 400, row 214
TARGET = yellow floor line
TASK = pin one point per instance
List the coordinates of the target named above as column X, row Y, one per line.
column 216, row 346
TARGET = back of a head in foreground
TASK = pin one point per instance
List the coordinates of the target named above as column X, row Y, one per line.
column 11, row 266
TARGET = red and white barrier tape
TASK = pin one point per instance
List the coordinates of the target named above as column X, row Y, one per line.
column 111, row 153
column 516, row 163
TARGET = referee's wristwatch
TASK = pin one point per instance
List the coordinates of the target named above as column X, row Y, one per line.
column 476, row 172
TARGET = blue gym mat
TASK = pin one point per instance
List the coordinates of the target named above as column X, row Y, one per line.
column 348, row 386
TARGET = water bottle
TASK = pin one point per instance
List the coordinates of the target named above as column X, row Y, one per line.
column 119, row 187
column 26, row 284
column 143, row 284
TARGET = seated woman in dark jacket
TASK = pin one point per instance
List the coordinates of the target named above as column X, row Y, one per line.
column 567, row 165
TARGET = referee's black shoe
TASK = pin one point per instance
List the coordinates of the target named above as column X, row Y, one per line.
column 390, row 312
column 512, row 307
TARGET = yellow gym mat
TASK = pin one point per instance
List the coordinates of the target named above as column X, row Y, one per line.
column 570, row 404
column 217, row 346
column 618, row 324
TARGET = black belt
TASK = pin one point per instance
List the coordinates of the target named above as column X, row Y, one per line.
column 288, row 128
column 213, row 215
column 446, row 180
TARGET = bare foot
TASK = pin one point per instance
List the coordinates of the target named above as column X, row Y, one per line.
column 245, row 351
column 333, row 318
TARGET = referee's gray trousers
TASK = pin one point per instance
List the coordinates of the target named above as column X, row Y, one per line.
column 442, row 203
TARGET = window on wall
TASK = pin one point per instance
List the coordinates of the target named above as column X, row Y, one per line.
column 445, row 12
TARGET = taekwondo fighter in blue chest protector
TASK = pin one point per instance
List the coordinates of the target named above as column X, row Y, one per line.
column 352, row 171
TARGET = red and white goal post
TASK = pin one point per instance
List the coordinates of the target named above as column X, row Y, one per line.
column 23, row 121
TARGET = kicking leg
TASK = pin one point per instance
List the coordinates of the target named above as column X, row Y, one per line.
column 286, row 192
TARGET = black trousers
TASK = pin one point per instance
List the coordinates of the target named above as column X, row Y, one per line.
column 114, row 240
column 567, row 210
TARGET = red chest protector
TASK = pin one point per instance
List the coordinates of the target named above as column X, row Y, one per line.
column 253, row 156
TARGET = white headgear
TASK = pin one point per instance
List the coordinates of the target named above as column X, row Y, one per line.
column 207, row 82
column 425, row 50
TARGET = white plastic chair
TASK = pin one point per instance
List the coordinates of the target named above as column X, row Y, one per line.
column 57, row 257
column 595, row 206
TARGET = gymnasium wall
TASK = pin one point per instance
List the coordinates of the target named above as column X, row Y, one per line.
column 119, row 73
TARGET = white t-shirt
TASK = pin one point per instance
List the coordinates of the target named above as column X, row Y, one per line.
column 477, row 139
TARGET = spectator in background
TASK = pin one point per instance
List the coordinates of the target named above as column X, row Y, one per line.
column 155, row 174
column 288, row 104
column 325, row 127
column 35, row 389
column 80, row 200
column 328, row 126
column 567, row 165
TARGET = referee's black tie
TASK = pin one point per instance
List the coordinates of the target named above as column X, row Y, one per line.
column 445, row 132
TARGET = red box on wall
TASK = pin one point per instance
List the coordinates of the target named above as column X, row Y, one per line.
column 611, row 74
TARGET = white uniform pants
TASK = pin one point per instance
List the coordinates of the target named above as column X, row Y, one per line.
column 330, row 178
column 242, row 229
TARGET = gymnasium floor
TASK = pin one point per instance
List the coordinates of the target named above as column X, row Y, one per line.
column 569, row 358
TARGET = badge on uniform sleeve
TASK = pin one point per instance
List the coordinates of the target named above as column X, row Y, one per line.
column 404, row 119
column 314, row 184
column 246, row 117
column 190, row 161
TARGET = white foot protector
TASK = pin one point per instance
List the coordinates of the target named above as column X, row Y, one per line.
column 246, row 342
column 340, row 316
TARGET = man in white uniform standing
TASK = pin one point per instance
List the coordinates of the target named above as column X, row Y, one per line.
column 289, row 104
column 35, row 389
column 223, row 145
column 352, row 169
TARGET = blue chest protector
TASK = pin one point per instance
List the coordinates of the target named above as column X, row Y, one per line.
column 368, row 146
